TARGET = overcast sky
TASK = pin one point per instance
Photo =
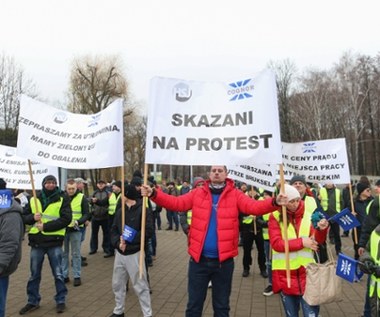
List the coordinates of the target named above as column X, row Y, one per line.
column 194, row 39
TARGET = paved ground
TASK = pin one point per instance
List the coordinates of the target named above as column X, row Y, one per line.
column 168, row 280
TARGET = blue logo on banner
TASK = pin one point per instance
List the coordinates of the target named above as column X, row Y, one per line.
column 309, row 147
column 5, row 198
column 129, row 233
column 240, row 90
column 347, row 268
column 346, row 219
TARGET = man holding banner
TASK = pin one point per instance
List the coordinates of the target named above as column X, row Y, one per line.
column 213, row 235
column 49, row 214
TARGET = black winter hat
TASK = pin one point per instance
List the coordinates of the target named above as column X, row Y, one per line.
column 137, row 173
column 48, row 178
column 137, row 181
column 361, row 187
column 131, row 192
column 378, row 183
column 117, row 183
column 3, row 184
column 297, row 178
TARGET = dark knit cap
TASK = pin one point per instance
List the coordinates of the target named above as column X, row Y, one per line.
column 137, row 174
column 378, row 183
column 297, row 178
column 117, row 183
column 131, row 192
column 3, row 184
column 360, row 187
column 49, row 178
column 137, row 181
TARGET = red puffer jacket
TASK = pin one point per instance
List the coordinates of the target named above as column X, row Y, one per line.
column 231, row 201
column 297, row 277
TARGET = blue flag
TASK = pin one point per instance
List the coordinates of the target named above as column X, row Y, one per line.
column 348, row 269
column 129, row 233
column 346, row 219
column 5, row 198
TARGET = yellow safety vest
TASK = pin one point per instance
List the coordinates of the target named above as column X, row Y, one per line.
column 189, row 214
column 324, row 199
column 296, row 258
column 49, row 214
column 370, row 203
column 248, row 219
column 265, row 230
column 112, row 201
column 76, row 207
column 375, row 240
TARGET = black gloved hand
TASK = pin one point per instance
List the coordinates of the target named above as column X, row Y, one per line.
column 376, row 270
column 368, row 266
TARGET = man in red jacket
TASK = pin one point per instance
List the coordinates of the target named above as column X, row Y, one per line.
column 213, row 235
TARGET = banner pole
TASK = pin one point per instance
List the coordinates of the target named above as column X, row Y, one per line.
column 285, row 221
column 353, row 212
column 33, row 187
column 122, row 199
column 143, row 223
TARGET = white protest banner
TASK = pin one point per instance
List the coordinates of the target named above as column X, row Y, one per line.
column 15, row 170
column 261, row 176
column 75, row 141
column 206, row 123
column 323, row 161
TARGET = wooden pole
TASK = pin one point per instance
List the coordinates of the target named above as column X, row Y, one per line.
column 122, row 197
column 143, row 222
column 285, row 221
column 353, row 212
column 33, row 187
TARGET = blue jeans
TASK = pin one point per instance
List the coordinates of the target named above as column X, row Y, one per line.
column 199, row 274
column 37, row 256
column 172, row 216
column 73, row 240
column 4, row 282
column 292, row 305
column 83, row 232
column 268, row 260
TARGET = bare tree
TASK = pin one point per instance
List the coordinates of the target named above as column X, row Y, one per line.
column 285, row 73
column 135, row 142
column 13, row 82
column 95, row 82
column 308, row 107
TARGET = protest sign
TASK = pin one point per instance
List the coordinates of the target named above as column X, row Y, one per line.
column 205, row 123
column 261, row 176
column 323, row 161
column 14, row 170
column 75, row 141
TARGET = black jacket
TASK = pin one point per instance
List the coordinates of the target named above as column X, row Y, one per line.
column 99, row 209
column 65, row 216
column 370, row 222
column 133, row 216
